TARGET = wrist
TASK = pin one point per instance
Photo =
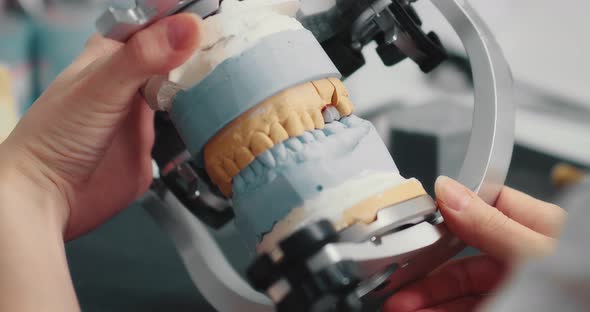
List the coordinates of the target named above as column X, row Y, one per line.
column 23, row 194
column 34, row 269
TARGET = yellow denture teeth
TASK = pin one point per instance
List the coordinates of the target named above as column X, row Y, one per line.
column 289, row 114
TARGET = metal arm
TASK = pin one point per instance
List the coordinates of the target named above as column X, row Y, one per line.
column 212, row 274
column 120, row 24
column 492, row 138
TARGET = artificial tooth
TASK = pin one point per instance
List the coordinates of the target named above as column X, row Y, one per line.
column 352, row 121
column 220, row 173
column 280, row 152
column 249, row 175
column 225, row 188
column 341, row 98
column 331, row 114
column 268, row 159
column 344, row 107
column 294, row 126
column 325, row 89
column 243, row 157
column 257, row 167
column 278, row 134
column 307, row 121
column 294, row 144
column 239, row 183
column 230, row 167
column 318, row 119
column 307, row 137
column 333, row 128
column 319, row 134
column 339, row 86
column 260, row 143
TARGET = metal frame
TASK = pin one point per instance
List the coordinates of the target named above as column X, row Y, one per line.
column 121, row 23
column 490, row 148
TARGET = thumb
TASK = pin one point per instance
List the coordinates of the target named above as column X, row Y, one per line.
column 485, row 227
column 110, row 83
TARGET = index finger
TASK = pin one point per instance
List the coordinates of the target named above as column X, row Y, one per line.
column 539, row 216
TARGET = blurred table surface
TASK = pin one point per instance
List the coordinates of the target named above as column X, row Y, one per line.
column 130, row 265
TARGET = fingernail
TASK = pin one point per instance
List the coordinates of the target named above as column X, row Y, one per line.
column 180, row 30
column 452, row 194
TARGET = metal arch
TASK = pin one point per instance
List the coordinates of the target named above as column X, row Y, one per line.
column 492, row 138
column 213, row 275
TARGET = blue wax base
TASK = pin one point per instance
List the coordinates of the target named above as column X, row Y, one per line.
column 231, row 89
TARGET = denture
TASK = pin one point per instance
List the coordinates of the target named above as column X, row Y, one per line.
column 289, row 114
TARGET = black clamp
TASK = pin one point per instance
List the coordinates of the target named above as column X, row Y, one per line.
column 393, row 24
column 184, row 179
column 429, row 51
column 294, row 286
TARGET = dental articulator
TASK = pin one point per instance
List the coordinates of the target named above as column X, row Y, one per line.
column 257, row 129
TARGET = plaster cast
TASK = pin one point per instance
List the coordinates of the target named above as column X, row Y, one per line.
column 355, row 200
column 238, row 26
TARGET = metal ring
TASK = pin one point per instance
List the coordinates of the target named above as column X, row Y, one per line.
column 491, row 143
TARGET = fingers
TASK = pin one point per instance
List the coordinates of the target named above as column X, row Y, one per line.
column 459, row 279
column 110, row 83
column 535, row 214
column 485, row 227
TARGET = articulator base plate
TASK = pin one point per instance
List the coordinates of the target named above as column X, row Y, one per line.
column 318, row 269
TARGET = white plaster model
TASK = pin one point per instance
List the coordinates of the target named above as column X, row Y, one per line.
column 237, row 27
column 331, row 204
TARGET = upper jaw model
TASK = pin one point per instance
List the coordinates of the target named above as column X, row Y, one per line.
column 278, row 135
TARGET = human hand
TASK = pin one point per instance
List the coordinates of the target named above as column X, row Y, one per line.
column 518, row 228
column 87, row 140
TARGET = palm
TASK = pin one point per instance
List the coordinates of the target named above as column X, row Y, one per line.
column 124, row 174
column 456, row 287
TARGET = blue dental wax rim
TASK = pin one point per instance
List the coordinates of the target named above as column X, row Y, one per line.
column 276, row 63
column 258, row 209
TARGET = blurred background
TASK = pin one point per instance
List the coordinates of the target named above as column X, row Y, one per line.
column 130, row 265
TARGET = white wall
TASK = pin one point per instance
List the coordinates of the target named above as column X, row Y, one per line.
column 547, row 44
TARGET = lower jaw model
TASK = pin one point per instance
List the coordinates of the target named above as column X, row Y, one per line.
column 301, row 157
